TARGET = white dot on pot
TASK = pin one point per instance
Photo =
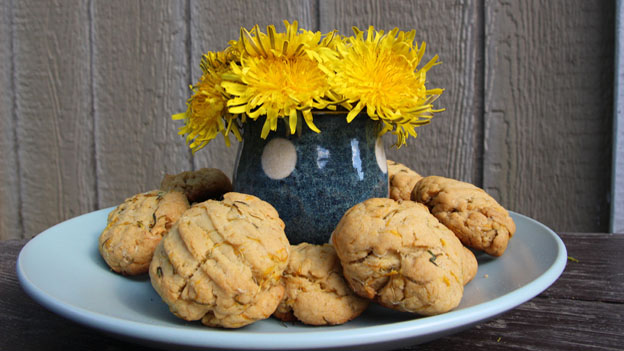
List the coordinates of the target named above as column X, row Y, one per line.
column 380, row 155
column 279, row 158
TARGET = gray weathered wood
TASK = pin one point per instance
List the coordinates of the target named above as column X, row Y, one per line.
column 532, row 326
column 19, row 312
column 450, row 145
column 140, row 63
column 10, row 224
column 53, row 109
column 89, row 88
column 604, row 260
column 548, row 101
column 617, row 178
column 215, row 23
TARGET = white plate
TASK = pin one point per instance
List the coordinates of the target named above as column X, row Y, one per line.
column 62, row 269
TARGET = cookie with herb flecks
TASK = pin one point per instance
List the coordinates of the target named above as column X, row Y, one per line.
column 135, row 228
column 400, row 255
column 474, row 216
column 401, row 180
column 222, row 262
column 316, row 292
column 200, row 185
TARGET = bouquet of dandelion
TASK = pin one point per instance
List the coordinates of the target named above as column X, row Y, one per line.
column 287, row 76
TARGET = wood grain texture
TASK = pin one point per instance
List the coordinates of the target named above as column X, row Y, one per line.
column 90, row 87
column 20, row 311
column 140, row 68
column 548, row 101
column 600, row 269
column 451, row 145
column 617, row 180
column 215, row 23
column 10, row 224
column 53, row 109
column 533, row 326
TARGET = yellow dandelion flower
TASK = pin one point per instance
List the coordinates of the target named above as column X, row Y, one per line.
column 289, row 75
column 277, row 76
column 206, row 115
column 380, row 73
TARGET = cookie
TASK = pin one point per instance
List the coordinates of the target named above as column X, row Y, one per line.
column 135, row 228
column 470, row 265
column 398, row 254
column 401, row 180
column 316, row 292
column 200, row 185
column 222, row 262
column 474, row 216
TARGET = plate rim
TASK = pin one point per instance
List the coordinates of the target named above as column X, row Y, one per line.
column 220, row 338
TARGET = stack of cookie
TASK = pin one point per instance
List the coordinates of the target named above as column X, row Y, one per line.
column 136, row 227
column 475, row 217
column 223, row 257
column 406, row 252
column 225, row 260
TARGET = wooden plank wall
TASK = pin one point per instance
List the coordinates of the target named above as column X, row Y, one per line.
column 548, row 137
column 140, row 64
column 52, row 113
column 89, row 87
column 617, row 188
column 10, row 221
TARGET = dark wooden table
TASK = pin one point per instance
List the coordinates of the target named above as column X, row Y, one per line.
column 583, row 310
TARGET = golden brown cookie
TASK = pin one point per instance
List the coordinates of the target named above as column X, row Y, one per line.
column 223, row 261
column 316, row 292
column 400, row 255
column 401, row 180
column 136, row 227
column 470, row 265
column 200, row 185
column 473, row 215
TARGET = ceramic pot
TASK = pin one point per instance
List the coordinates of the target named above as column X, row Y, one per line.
column 311, row 178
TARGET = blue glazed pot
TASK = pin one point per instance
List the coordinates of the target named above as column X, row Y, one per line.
column 311, row 178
